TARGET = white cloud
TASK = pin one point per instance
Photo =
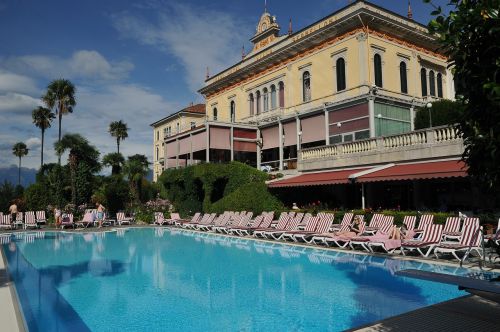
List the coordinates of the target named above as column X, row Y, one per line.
column 14, row 102
column 10, row 82
column 83, row 64
column 33, row 142
column 196, row 37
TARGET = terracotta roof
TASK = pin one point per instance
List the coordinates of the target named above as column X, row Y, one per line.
column 197, row 108
column 416, row 171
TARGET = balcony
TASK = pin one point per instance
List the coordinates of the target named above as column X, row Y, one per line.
column 431, row 143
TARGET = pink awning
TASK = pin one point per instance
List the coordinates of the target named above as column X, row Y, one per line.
column 220, row 138
column 270, row 137
column 245, row 146
column 313, row 128
column 290, row 129
column 184, row 145
column 199, row 141
column 171, row 149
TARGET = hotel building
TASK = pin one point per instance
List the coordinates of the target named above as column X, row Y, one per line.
column 334, row 100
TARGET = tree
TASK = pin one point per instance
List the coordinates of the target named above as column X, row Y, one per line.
column 80, row 151
column 469, row 35
column 19, row 150
column 136, row 167
column 114, row 160
column 42, row 117
column 61, row 96
column 444, row 112
column 119, row 130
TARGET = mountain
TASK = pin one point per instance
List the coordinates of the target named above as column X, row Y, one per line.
column 9, row 174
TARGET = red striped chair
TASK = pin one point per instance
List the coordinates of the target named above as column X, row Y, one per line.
column 431, row 237
column 385, row 225
column 372, row 228
column 425, row 220
column 292, row 225
column 451, row 228
column 343, row 241
column 30, row 220
column 195, row 218
column 346, row 219
column 324, row 224
column 344, row 226
column 470, row 241
column 40, row 217
column 262, row 221
column 310, row 228
column 409, row 222
column 5, row 222
column 458, row 234
column 285, row 217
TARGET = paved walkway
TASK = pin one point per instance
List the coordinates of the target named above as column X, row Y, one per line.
column 9, row 315
column 469, row 313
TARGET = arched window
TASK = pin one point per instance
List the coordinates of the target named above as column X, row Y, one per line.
column 281, row 87
column 440, row 85
column 251, row 104
column 340, row 68
column 432, row 83
column 402, row 77
column 377, row 64
column 178, row 127
column 233, row 111
column 306, row 86
column 258, row 102
column 423, row 81
column 157, row 153
column 273, row 96
column 215, row 114
column 266, row 99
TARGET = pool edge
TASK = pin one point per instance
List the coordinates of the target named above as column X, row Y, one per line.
column 13, row 299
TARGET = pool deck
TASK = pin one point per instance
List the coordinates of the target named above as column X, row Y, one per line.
column 10, row 316
column 468, row 313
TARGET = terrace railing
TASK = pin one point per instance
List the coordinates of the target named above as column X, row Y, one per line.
column 447, row 137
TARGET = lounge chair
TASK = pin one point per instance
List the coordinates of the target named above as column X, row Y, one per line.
column 470, row 241
column 195, row 218
column 19, row 220
column 385, row 225
column 342, row 241
column 87, row 221
column 5, row 222
column 40, row 218
column 244, row 219
column 159, row 218
column 323, row 226
column 233, row 220
column 67, row 221
column 310, row 228
column 425, row 220
column 173, row 218
column 451, row 228
column 281, row 225
column 458, row 234
column 260, row 222
column 347, row 218
column 203, row 220
column 344, row 226
column 431, row 237
column 292, row 225
column 207, row 221
column 122, row 220
column 221, row 221
column 373, row 226
column 30, row 220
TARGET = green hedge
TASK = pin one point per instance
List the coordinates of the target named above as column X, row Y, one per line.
column 218, row 187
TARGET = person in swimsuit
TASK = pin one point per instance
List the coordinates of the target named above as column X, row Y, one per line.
column 57, row 216
column 100, row 213
column 354, row 229
column 13, row 212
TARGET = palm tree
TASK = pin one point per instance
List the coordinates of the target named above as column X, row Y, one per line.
column 136, row 167
column 119, row 130
column 19, row 150
column 80, row 151
column 42, row 117
column 115, row 160
column 61, row 96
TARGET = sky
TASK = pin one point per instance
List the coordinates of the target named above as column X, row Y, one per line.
column 136, row 61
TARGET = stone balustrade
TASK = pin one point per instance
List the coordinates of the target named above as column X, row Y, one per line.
column 437, row 142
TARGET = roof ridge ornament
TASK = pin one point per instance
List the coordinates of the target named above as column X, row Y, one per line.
column 290, row 30
column 410, row 13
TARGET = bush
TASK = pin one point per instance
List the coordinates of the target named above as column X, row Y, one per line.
column 250, row 197
column 36, row 197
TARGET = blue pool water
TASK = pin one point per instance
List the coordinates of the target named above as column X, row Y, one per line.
column 159, row 279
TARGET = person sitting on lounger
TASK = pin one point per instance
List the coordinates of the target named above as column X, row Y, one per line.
column 399, row 233
column 354, row 229
column 100, row 213
column 57, row 216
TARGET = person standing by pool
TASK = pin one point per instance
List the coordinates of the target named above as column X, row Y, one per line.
column 100, row 213
column 57, row 216
column 13, row 211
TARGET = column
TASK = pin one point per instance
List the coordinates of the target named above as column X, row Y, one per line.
column 363, row 59
column 412, row 117
column 259, row 157
column 191, row 149
column 363, row 196
column 327, row 127
column 177, row 153
column 207, row 155
column 280, row 140
column 299, row 134
column 232, row 142
column 371, row 114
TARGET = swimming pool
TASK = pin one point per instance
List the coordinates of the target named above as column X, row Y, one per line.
column 150, row 279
